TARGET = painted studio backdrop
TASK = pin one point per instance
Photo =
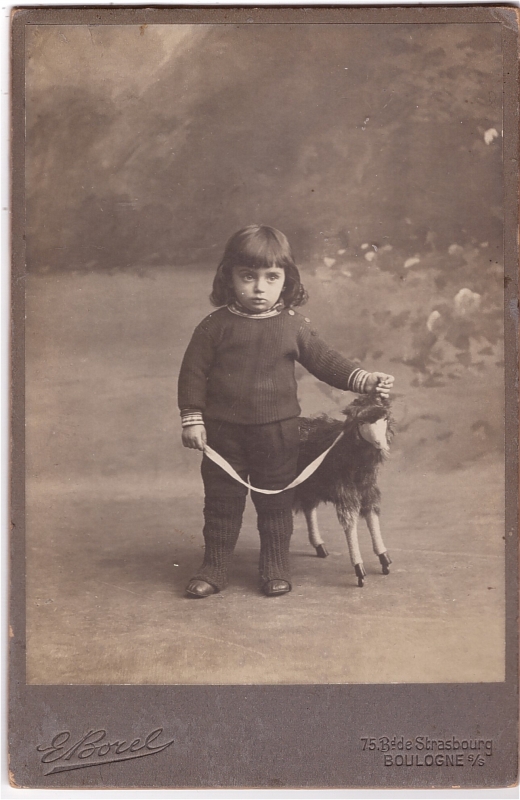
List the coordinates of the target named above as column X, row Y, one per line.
column 377, row 149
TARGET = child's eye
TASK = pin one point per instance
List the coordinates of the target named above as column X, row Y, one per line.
column 273, row 276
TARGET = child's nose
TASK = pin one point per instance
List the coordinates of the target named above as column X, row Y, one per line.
column 260, row 286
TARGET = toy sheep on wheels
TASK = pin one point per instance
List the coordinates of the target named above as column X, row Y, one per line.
column 347, row 477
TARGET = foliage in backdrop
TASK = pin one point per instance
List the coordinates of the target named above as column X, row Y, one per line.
column 376, row 148
column 152, row 144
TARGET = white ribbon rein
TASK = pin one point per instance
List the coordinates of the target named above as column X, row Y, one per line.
column 306, row 473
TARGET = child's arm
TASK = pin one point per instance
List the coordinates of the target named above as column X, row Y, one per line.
column 192, row 387
column 331, row 367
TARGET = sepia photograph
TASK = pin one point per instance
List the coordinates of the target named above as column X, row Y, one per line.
column 264, row 415
column 253, row 239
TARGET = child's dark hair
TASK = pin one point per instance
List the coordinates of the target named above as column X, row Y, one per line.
column 256, row 247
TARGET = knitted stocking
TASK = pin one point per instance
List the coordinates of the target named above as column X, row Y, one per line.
column 223, row 518
column 275, row 527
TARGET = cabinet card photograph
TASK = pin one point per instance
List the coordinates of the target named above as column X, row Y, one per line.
column 268, row 390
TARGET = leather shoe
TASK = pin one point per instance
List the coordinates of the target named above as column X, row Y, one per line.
column 197, row 588
column 276, row 587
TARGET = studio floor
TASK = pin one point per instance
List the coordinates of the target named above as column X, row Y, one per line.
column 108, row 563
column 114, row 518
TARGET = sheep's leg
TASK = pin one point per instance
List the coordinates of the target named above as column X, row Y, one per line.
column 315, row 539
column 349, row 521
column 380, row 550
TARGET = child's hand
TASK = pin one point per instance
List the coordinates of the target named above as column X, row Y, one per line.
column 194, row 436
column 379, row 382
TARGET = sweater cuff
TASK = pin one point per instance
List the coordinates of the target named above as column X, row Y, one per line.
column 357, row 381
column 189, row 417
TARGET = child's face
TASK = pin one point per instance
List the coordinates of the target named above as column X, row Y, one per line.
column 258, row 289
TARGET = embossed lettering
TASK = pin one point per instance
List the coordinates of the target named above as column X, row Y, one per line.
column 100, row 734
column 152, row 737
column 415, row 760
column 92, row 749
column 55, row 747
column 453, row 751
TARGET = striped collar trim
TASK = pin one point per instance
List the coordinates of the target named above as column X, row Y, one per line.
column 240, row 311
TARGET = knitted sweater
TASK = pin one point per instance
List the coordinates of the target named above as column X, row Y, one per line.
column 241, row 369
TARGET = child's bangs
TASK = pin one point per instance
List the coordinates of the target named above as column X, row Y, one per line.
column 261, row 254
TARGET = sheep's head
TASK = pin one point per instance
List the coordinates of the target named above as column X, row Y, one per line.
column 371, row 414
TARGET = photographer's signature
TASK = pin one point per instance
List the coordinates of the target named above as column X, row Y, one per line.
column 94, row 749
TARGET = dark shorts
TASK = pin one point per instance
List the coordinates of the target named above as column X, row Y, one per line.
column 265, row 455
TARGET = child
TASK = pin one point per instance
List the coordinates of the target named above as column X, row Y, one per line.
column 237, row 393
